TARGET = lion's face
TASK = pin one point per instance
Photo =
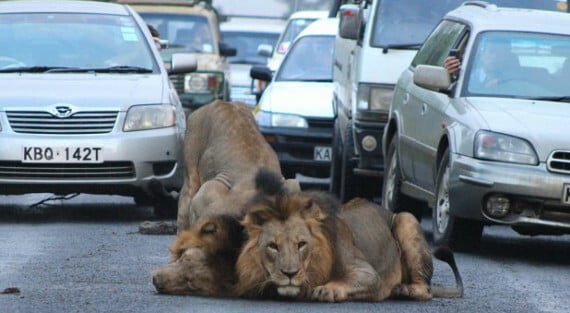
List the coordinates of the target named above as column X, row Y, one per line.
column 285, row 249
column 287, row 252
column 203, row 259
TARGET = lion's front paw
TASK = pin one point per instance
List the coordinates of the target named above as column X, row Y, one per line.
column 331, row 292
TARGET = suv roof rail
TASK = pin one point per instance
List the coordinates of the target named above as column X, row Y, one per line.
column 481, row 4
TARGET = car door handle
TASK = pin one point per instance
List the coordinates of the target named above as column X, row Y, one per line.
column 424, row 108
column 406, row 98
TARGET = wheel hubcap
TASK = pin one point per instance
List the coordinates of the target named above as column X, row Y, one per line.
column 442, row 203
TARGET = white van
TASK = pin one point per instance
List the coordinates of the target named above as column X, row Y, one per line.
column 376, row 42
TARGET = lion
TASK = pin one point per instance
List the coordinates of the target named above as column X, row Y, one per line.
column 223, row 149
column 302, row 245
column 203, row 259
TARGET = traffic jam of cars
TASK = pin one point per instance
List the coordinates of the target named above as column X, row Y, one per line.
column 456, row 110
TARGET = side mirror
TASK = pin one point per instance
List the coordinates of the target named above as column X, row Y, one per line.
column 265, row 50
column 432, row 77
column 227, row 50
column 262, row 73
column 350, row 21
column 182, row 63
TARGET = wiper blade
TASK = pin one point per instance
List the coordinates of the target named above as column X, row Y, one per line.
column 33, row 69
column 111, row 69
column 415, row 45
column 555, row 98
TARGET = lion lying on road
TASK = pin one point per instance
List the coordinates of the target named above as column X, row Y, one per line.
column 223, row 149
column 203, row 259
column 301, row 246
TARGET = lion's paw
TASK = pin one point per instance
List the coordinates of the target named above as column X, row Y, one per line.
column 331, row 292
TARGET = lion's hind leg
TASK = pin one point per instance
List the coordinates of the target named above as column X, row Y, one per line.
column 417, row 264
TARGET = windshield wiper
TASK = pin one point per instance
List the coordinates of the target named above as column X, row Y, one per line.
column 555, row 98
column 414, row 45
column 34, row 69
column 245, row 61
column 111, row 69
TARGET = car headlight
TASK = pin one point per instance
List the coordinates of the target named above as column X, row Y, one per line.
column 268, row 119
column 203, row 82
column 504, row 148
column 374, row 98
column 141, row 117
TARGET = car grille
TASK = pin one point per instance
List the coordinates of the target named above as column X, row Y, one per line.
column 80, row 123
column 559, row 162
column 178, row 82
column 321, row 123
column 106, row 170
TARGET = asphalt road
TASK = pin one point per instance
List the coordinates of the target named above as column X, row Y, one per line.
column 86, row 255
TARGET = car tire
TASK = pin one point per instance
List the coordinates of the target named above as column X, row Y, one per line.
column 336, row 159
column 348, row 181
column 455, row 232
column 392, row 198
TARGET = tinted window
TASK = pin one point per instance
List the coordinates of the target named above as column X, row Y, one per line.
column 438, row 44
column 72, row 40
column 191, row 32
column 516, row 64
column 310, row 59
column 404, row 22
column 246, row 44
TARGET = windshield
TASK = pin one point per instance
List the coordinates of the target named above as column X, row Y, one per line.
column 310, row 59
column 407, row 23
column 519, row 65
column 294, row 27
column 246, row 44
column 44, row 41
column 191, row 32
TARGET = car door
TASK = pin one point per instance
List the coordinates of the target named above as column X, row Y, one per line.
column 426, row 107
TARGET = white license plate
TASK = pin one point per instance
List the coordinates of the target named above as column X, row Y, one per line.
column 62, row 154
column 566, row 194
column 322, row 153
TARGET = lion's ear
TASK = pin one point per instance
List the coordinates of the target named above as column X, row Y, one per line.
column 268, row 182
column 313, row 210
column 208, row 228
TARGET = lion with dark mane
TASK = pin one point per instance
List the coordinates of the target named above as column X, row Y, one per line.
column 302, row 245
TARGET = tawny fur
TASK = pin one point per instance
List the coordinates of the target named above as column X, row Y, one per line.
column 223, row 149
column 203, row 259
column 301, row 245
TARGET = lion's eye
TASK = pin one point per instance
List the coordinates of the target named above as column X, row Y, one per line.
column 273, row 246
column 301, row 245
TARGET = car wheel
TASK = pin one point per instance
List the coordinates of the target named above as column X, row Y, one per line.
column 392, row 198
column 336, row 158
column 449, row 230
column 348, row 181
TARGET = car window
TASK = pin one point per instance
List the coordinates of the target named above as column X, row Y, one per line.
column 72, row 40
column 191, row 32
column 440, row 41
column 519, row 64
column 246, row 44
column 310, row 59
column 294, row 28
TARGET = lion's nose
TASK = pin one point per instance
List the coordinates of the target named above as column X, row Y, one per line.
column 157, row 280
column 290, row 273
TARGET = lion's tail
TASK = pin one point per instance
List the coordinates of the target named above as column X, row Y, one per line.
column 446, row 255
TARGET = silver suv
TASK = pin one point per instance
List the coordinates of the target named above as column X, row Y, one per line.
column 86, row 104
column 490, row 144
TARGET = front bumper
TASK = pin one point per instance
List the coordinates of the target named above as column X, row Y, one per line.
column 297, row 148
column 535, row 193
column 130, row 162
column 370, row 163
